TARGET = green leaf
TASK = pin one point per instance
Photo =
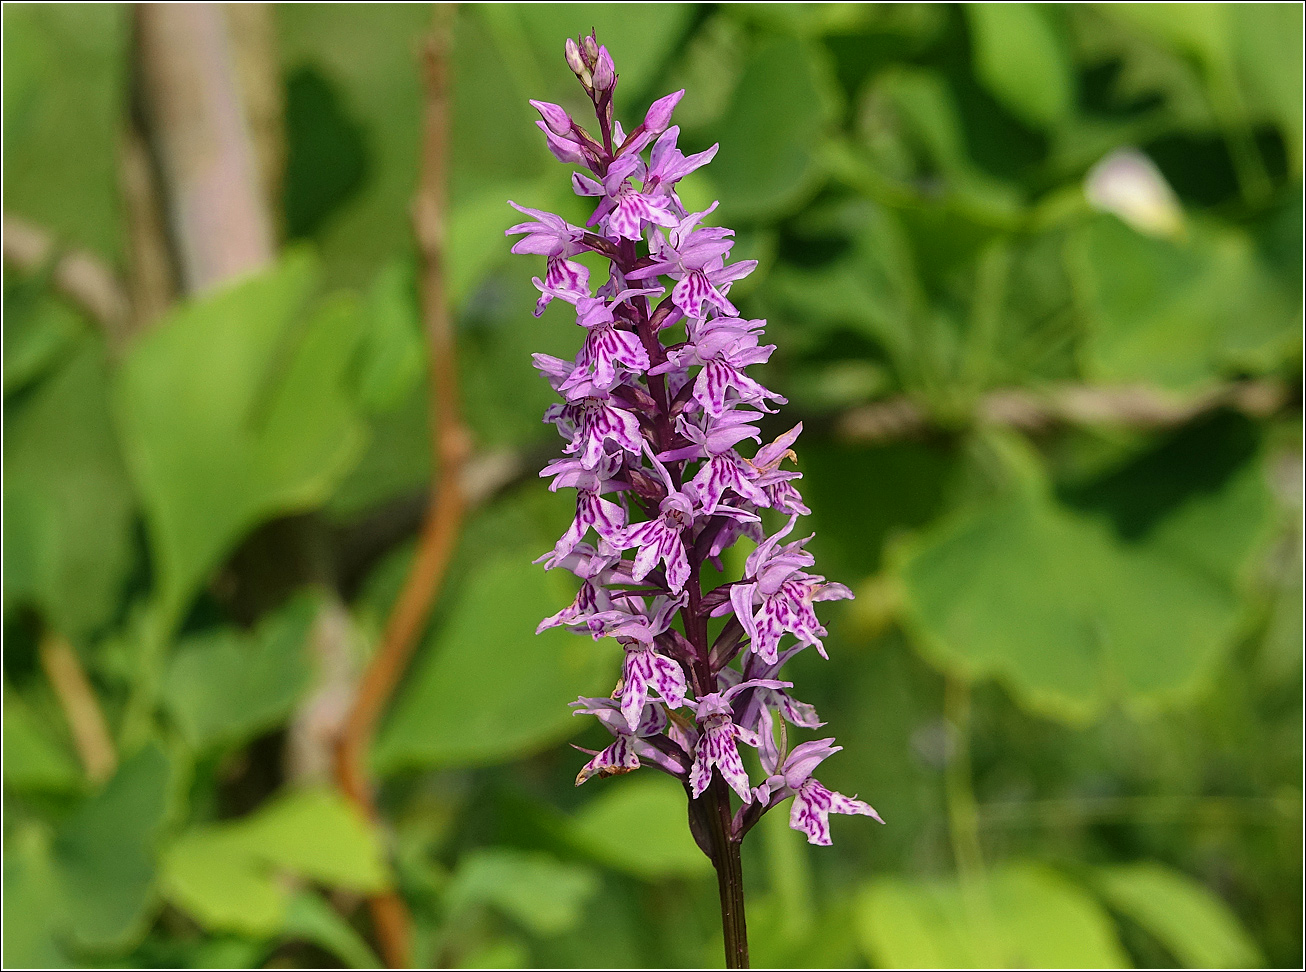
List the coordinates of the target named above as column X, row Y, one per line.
column 1021, row 58
column 65, row 70
column 913, row 133
column 33, row 906
column 1179, row 314
column 209, row 875
column 226, row 875
column 1267, row 39
column 1023, row 916
column 369, row 61
column 538, row 891
column 782, row 105
column 225, row 687
column 319, row 835
column 640, row 825
column 1054, row 604
column 311, row 919
column 32, row 759
column 106, row 851
column 231, row 415
column 393, row 354
column 40, row 331
column 1183, row 915
column 67, row 498
column 318, row 126
column 487, row 688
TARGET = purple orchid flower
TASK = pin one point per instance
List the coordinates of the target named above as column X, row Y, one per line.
column 631, row 746
column 785, row 592
column 695, row 258
column 716, row 747
column 653, row 433
column 724, row 469
column 606, row 349
column 668, row 165
column 592, row 510
column 791, row 775
column 662, row 539
column 554, row 238
column 592, row 419
column 644, row 667
column 751, row 702
column 723, row 347
column 624, row 210
column 776, row 482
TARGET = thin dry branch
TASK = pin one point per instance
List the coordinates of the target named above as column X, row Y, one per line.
column 195, row 113
column 80, row 707
column 1131, row 406
column 444, row 514
column 81, row 276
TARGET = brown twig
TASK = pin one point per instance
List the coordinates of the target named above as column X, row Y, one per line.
column 1132, row 406
column 80, row 707
column 79, row 275
column 446, row 503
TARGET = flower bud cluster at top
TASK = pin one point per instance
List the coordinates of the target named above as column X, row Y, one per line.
column 652, row 427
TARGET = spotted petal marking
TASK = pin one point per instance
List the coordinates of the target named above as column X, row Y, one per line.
column 813, row 804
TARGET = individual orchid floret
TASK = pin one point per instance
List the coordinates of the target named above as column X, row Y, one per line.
column 723, row 347
column 553, row 237
column 790, row 774
column 695, row 258
column 661, row 539
column 596, row 418
column 716, row 747
column 644, row 668
column 751, row 702
column 625, row 210
column 668, row 165
column 631, row 745
column 775, row 481
column 725, row 469
column 598, row 570
column 785, row 593
column 592, row 510
column 607, row 350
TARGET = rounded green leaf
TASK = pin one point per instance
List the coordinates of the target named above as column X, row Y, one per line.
column 1022, row 60
column 487, row 688
column 1185, row 916
column 639, row 824
column 1021, row 916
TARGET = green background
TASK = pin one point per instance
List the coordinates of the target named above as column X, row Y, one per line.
column 1071, row 681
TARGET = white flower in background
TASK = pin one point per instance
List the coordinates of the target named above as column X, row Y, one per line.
column 1128, row 184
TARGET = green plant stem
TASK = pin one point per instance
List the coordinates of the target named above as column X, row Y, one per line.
column 963, row 818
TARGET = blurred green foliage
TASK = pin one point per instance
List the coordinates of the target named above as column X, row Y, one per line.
column 1116, row 608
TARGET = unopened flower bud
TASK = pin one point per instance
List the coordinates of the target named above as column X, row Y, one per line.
column 605, row 73
column 574, row 61
column 589, row 48
column 554, row 116
column 658, row 116
column 577, row 64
